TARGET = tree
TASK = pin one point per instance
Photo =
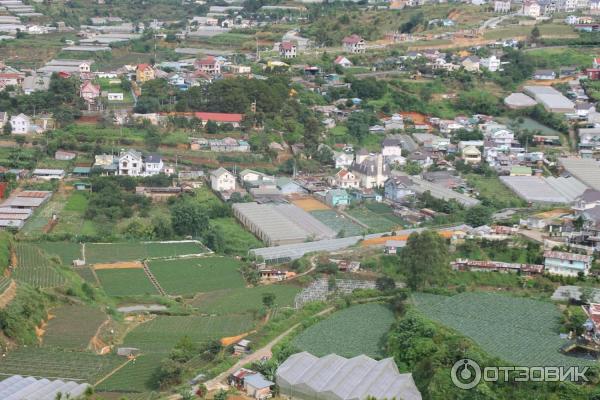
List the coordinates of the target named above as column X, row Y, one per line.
column 385, row 283
column 189, row 218
column 478, row 216
column 535, row 34
column 412, row 168
column 169, row 373
column 358, row 125
column 424, row 259
column 268, row 299
column 7, row 129
column 184, row 350
column 212, row 127
column 220, row 395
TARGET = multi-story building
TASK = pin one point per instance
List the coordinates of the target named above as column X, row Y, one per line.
column 354, row 44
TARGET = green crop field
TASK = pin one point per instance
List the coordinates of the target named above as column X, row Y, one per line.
column 237, row 240
column 136, row 376
column 72, row 327
column 353, row 331
column 114, row 252
column 338, row 222
column 378, row 217
column 87, row 274
column 125, row 282
column 517, row 330
column 243, row 300
column 59, row 364
column 192, row 275
column 162, row 333
column 66, row 251
column 77, row 202
column 35, row 268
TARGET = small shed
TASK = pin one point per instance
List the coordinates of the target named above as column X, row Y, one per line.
column 82, row 171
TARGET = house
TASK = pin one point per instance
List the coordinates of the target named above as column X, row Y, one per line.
column 153, row 164
column 343, row 159
column 544, row 75
column 566, row 264
column 35, row 83
column 241, row 347
column 491, row 63
column 130, row 163
column 89, row 91
column 257, row 386
column 354, row 44
column 471, row 155
column 144, row 73
column 471, row 63
column 222, row 180
column 220, row 118
column 48, row 174
column 344, row 179
column 63, row 155
column 287, row 50
column 398, row 188
column 337, row 197
column 208, row 65
column 502, row 6
column 371, row 170
column 531, row 8
column 391, row 147
column 256, row 179
column 396, row 121
column 287, row 186
column 392, row 246
column 21, row 124
column 342, row 62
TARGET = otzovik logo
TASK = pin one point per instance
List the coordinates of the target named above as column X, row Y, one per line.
column 466, row 374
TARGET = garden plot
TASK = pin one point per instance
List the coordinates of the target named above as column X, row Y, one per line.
column 126, row 282
column 35, row 268
column 353, row 331
column 72, row 327
column 188, row 276
column 378, row 217
column 58, row 364
column 136, row 376
column 338, row 222
column 129, row 251
column 163, row 332
column 66, row 251
column 517, row 330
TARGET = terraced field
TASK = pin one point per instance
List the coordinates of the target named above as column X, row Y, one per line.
column 353, row 331
column 193, row 275
column 125, row 282
column 163, row 332
column 35, row 268
column 517, row 330
column 56, row 363
column 72, row 327
column 243, row 300
column 66, row 251
column 136, row 376
column 96, row 253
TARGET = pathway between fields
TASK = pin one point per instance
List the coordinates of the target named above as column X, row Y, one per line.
column 217, row 382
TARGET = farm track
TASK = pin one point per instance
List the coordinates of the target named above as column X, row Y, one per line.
column 153, row 279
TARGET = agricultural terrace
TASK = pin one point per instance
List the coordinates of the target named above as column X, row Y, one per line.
column 72, row 327
column 96, row 253
column 136, row 376
column 377, row 216
column 125, row 282
column 243, row 300
column 160, row 334
column 517, row 330
column 192, row 275
column 53, row 363
column 65, row 251
column 338, row 222
column 35, row 267
column 350, row 332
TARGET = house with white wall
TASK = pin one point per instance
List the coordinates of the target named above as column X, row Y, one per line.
column 222, row 180
column 130, row 163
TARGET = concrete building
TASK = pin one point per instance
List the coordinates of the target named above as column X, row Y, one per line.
column 130, row 163
column 566, row 264
column 354, row 44
column 222, row 180
column 287, row 50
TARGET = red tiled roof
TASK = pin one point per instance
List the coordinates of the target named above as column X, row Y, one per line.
column 10, row 76
column 286, row 46
column 219, row 117
column 142, row 67
column 210, row 60
column 352, row 39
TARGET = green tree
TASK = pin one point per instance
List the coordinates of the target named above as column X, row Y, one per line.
column 169, row 373
column 535, row 34
column 385, row 283
column 7, row 128
column 412, row 168
column 268, row 299
column 478, row 216
column 189, row 218
column 424, row 259
column 220, row 395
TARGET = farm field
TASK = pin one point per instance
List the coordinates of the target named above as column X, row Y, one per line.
column 237, row 239
column 125, row 282
column 72, row 327
column 136, row 376
column 66, row 251
column 350, row 332
column 378, row 217
column 87, row 274
column 128, row 251
column 493, row 189
column 192, row 275
column 338, row 222
column 243, row 300
column 35, row 268
column 60, row 364
column 517, row 330
column 162, row 333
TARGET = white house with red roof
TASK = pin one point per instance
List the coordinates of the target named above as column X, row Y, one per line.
column 209, row 65
column 354, row 44
column 344, row 179
column 287, row 50
column 89, row 91
column 220, row 118
column 342, row 62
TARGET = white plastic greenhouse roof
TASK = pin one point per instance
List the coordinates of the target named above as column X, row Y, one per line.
column 17, row 387
column 336, row 377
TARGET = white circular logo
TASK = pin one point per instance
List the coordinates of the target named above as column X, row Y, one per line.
column 465, row 374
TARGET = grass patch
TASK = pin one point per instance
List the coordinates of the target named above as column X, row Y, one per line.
column 125, row 282
column 193, row 275
column 77, row 202
column 72, row 327
column 494, row 190
column 353, row 331
column 237, row 240
column 517, row 330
